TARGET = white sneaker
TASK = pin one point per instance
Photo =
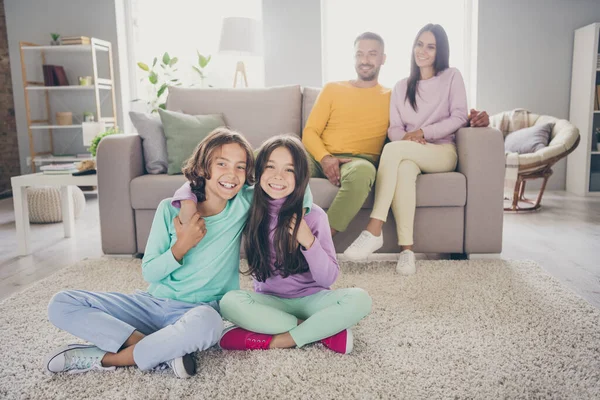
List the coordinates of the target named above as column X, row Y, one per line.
column 406, row 263
column 183, row 367
column 366, row 243
column 75, row 359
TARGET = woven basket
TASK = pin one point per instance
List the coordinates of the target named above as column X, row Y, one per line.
column 64, row 118
column 45, row 206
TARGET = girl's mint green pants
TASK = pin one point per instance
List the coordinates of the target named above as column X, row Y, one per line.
column 324, row 313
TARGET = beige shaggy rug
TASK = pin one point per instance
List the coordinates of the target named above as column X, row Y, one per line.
column 457, row 329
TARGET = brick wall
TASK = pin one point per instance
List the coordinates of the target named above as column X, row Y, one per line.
column 9, row 149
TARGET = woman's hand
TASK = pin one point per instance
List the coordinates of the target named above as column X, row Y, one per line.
column 415, row 136
column 305, row 236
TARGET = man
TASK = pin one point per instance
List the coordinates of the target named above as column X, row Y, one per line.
column 347, row 128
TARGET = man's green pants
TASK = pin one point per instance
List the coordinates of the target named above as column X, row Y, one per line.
column 356, row 179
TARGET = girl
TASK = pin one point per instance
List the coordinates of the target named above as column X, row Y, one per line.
column 426, row 109
column 293, row 262
column 189, row 268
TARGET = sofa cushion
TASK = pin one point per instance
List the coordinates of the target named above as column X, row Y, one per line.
column 154, row 143
column 183, row 133
column 148, row 190
column 433, row 190
column 528, row 140
column 309, row 97
column 447, row 189
column 257, row 113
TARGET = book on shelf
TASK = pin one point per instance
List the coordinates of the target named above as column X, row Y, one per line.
column 597, row 101
column 54, row 75
column 70, row 40
column 59, row 169
column 49, row 75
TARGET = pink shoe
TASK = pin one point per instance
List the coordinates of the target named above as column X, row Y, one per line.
column 235, row 338
column 341, row 342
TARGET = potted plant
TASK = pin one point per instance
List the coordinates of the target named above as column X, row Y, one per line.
column 160, row 79
column 96, row 140
column 55, row 39
column 199, row 68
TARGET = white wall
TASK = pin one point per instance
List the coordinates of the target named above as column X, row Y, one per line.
column 32, row 21
column 525, row 53
column 292, row 34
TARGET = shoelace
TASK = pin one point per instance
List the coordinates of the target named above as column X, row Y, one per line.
column 161, row 367
column 252, row 343
column 82, row 364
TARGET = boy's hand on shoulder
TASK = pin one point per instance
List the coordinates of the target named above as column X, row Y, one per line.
column 305, row 236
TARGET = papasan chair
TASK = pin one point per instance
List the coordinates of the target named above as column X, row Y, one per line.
column 563, row 140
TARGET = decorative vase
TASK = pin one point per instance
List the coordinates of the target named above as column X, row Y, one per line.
column 55, row 43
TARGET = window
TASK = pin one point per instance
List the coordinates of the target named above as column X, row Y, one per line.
column 180, row 27
column 398, row 22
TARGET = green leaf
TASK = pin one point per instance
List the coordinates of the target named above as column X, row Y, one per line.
column 161, row 90
column 199, row 71
column 203, row 61
column 163, row 106
column 153, row 78
column 166, row 59
column 154, row 62
column 143, row 66
column 174, row 80
column 173, row 61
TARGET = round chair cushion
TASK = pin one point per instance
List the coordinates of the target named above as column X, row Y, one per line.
column 45, row 205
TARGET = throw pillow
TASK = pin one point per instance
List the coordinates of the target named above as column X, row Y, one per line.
column 154, row 144
column 183, row 133
column 528, row 140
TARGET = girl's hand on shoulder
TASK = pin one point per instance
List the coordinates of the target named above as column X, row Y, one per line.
column 415, row 136
column 305, row 236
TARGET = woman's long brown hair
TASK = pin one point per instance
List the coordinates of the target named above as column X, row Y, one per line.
column 288, row 257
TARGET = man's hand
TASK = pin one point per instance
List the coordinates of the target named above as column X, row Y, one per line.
column 415, row 136
column 188, row 235
column 331, row 168
column 305, row 236
column 479, row 119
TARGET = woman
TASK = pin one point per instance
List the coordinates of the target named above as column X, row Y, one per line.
column 426, row 110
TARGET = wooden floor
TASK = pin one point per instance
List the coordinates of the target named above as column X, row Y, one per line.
column 563, row 237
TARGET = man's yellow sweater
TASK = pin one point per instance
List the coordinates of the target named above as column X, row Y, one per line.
column 348, row 120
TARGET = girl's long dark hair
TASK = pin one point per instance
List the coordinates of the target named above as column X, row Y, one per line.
column 442, row 60
column 288, row 257
column 197, row 168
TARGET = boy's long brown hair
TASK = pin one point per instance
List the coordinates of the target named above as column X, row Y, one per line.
column 197, row 168
column 288, row 257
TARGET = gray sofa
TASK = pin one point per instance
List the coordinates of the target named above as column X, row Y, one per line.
column 457, row 212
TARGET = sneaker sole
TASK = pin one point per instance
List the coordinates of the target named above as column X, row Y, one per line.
column 352, row 258
column 184, row 367
column 60, row 351
column 349, row 341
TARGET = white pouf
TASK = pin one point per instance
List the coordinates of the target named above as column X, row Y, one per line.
column 45, row 206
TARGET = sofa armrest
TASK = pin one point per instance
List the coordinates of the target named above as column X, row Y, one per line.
column 481, row 160
column 119, row 160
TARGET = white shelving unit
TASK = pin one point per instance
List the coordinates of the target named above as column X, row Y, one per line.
column 583, row 165
column 34, row 88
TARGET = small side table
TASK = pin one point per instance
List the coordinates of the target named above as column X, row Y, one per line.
column 19, row 188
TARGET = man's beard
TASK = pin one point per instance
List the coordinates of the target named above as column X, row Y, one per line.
column 370, row 77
